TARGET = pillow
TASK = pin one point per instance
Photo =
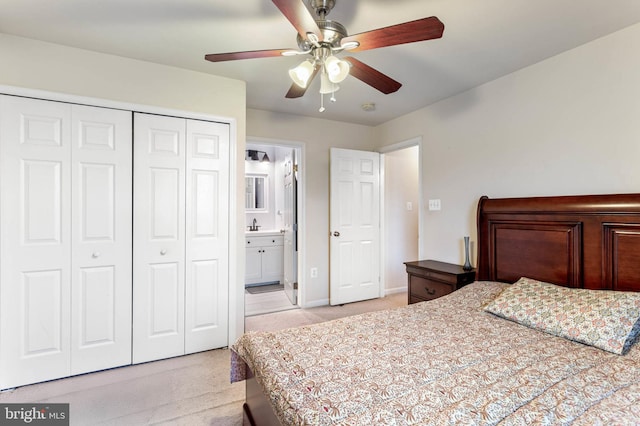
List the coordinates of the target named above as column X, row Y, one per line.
column 605, row 319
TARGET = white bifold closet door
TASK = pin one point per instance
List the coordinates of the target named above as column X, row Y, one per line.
column 181, row 193
column 65, row 239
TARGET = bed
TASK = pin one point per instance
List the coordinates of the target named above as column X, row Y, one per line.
column 544, row 336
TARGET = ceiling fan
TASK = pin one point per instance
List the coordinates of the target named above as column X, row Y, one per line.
column 322, row 39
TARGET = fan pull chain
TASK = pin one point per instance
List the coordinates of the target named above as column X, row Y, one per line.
column 321, row 103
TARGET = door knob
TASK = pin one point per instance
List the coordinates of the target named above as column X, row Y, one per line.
column 336, row 234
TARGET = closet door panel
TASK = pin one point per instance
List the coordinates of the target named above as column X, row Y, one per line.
column 97, row 307
column 42, row 317
column 102, row 254
column 207, row 236
column 204, row 295
column 97, row 202
column 35, row 247
column 164, row 290
column 41, row 192
column 159, row 237
column 164, row 209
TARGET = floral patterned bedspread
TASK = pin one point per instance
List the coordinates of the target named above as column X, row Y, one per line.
column 441, row 362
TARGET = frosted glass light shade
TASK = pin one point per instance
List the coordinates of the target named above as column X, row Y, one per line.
column 302, row 73
column 326, row 85
column 337, row 69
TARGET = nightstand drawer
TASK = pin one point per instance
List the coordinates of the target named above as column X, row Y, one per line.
column 428, row 289
column 441, row 276
column 430, row 279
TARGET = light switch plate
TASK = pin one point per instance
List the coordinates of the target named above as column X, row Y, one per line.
column 434, row 205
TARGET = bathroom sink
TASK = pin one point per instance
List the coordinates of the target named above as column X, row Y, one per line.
column 264, row 232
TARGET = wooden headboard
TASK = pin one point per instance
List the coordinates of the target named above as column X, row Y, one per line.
column 590, row 241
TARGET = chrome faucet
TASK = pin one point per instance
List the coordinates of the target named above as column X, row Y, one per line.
column 255, row 226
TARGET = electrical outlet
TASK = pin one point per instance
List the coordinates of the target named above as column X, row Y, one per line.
column 314, row 272
column 434, row 205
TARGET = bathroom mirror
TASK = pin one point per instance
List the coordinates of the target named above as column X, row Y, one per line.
column 255, row 192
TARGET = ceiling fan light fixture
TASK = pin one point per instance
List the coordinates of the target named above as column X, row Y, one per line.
column 326, row 85
column 337, row 70
column 302, row 74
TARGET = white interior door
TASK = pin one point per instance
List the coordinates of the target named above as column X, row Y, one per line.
column 207, row 236
column 159, row 237
column 290, row 218
column 101, row 237
column 354, row 226
column 35, row 247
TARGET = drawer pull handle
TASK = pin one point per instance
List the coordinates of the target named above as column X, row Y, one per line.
column 96, row 255
column 163, row 252
column 429, row 291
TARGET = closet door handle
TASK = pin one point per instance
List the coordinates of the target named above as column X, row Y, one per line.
column 163, row 252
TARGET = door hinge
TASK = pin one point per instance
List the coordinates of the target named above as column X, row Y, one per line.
column 295, row 167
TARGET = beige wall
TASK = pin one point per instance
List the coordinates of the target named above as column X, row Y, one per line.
column 401, row 186
column 54, row 68
column 567, row 125
column 318, row 136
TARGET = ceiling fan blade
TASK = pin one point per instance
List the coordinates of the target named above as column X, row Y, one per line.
column 296, row 91
column 372, row 77
column 408, row 32
column 234, row 56
column 300, row 17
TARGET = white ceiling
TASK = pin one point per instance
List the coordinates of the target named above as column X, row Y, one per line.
column 482, row 41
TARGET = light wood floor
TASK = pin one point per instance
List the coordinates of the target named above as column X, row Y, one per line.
column 190, row 390
column 265, row 303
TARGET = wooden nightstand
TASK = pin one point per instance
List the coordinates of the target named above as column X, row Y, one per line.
column 430, row 279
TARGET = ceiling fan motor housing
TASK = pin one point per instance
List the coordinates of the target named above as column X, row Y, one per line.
column 332, row 32
column 322, row 7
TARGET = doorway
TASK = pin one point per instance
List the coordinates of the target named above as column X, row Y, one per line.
column 401, row 212
column 272, row 279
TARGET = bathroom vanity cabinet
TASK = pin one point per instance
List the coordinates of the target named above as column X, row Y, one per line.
column 265, row 258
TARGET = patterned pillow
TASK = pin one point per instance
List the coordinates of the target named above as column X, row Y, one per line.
column 605, row 319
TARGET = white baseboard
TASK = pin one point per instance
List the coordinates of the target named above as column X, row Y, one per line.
column 388, row 291
column 325, row 302
column 316, row 303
